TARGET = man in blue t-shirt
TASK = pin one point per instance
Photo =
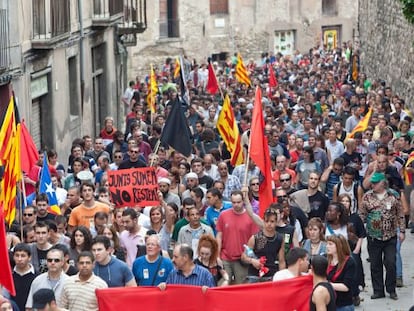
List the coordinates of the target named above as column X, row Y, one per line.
column 109, row 268
column 152, row 268
column 216, row 206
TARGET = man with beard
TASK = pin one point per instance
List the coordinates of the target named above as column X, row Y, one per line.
column 169, row 197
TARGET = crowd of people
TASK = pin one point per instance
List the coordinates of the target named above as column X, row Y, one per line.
column 331, row 191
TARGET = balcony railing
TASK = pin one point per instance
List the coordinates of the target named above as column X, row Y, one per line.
column 135, row 17
column 4, row 42
column 106, row 11
column 51, row 19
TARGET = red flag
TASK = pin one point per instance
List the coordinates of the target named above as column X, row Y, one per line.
column 259, row 153
column 6, row 277
column 212, row 85
column 272, row 78
column 28, row 151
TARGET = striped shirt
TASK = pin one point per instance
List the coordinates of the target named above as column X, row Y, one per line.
column 199, row 277
column 80, row 295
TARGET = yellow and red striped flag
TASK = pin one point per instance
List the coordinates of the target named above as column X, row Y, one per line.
column 10, row 158
column 152, row 90
column 362, row 125
column 227, row 127
column 241, row 72
column 177, row 68
column 408, row 177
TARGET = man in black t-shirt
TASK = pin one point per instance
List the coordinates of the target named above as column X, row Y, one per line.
column 133, row 161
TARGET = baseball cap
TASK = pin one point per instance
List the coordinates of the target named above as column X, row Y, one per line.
column 377, row 177
column 42, row 297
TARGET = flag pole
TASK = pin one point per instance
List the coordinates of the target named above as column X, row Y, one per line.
column 152, row 100
column 157, row 146
column 22, row 203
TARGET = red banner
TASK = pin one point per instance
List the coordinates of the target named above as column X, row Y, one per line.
column 133, row 187
column 288, row 295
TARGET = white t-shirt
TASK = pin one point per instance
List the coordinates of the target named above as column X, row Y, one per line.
column 283, row 275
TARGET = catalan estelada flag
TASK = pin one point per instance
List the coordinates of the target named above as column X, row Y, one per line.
column 227, row 127
column 10, row 159
column 152, row 90
column 46, row 186
column 362, row 125
column 241, row 72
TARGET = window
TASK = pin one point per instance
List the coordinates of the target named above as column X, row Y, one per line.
column 329, row 8
column 51, row 18
column 169, row 22
column 219, row 7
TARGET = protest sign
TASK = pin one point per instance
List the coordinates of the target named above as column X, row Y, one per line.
column 133, row 187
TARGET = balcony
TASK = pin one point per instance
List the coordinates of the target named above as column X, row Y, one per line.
column 107, row 12
column 51, row 23
column 135, row 17
column 4, row 42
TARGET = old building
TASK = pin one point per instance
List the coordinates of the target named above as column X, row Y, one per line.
column 66, row 61
column 222, row 27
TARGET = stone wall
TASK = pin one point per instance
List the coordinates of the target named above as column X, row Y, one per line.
column 387, row 45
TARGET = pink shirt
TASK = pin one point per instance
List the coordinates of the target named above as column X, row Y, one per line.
column 236, row 230
column 130, row 241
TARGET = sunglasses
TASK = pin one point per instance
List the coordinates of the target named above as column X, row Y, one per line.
column 368, row 134
column 28, row 214
column 282, row 197
column 254, row 184
column 53, row 260
column 282, row 180
column 133, row 151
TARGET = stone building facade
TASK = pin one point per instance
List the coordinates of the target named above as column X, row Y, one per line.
column 387, row 45
column 222, row 27
column 65, row 62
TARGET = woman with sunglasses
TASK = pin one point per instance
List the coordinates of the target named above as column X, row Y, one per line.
column 341, row 271
column 254, row 185
column 268, row 244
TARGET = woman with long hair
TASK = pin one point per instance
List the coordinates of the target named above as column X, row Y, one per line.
column 341, row 271
column 315, row 244
column 117, row 220
column 305, row 167
column 110, row 232
column 356, row 235
column 81, row 240
column 162, row 223
column 208, row 257
column 174, row 177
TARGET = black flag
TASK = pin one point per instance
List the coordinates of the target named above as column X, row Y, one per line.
column 176, row 132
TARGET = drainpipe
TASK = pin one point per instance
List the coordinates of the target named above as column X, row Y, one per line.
column 81, row 54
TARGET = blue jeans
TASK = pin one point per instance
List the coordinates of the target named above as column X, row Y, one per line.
column 346, row 308
column 398, row 262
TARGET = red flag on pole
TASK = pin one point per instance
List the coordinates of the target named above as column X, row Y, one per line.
column 28, row 151
column 259, row 153
column 6, row 277
column 212, row 85
column 272, row 77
